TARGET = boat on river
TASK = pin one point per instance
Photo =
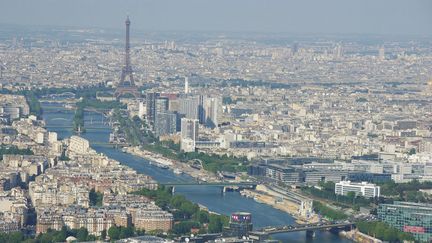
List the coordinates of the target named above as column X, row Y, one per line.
column 178, row 171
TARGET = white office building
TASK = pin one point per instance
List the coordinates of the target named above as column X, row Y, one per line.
column 78, row 145
column 360, row 189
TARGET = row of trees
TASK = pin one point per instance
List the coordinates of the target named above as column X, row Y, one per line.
column 31, row 98
column 33, row 102
column 78, row 120
column 187, row 215
column 214, row 162
column 81, row 234
column 406, row 191
column 211, row 162
column 120, row 232
column 328, row 212
column 85, row 92
column 383, row 231
column 131, row 129
column 48, row 237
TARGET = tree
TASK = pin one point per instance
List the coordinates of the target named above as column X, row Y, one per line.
column 184, row 227
column 126, row 232
column 103, row 234
column 351, row 195
column 95, row 198
column 45, row 238
column 16, row 237
column 82, row 234
column 215, row 225
column 356, row 208
column 177, row 201
column 34, row 104
column 63, row 156
column 139, row 232
column 188, row 208
column 328, row 212
column 162, row 202
column 202, row 217
column 383, row 231
column 227, row 100
column 114, row 233
column 61, row 235
column 412, row 151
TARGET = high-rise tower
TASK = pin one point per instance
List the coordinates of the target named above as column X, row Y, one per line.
column 127, row 86
column 186, row 85
column 381, row 53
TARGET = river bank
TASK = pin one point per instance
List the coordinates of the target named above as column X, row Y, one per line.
column 270, row 200
column 262, row 195
column 360, row 237
column 176, row 166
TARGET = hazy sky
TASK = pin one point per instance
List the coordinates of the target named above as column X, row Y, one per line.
column 293, row 16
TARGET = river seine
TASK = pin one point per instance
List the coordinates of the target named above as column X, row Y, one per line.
column 59, row 119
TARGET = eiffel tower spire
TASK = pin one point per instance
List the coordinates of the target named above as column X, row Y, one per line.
column 127, row 86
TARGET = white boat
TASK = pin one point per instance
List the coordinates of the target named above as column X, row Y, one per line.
column 162, row 166
column 111, row 138
column 178, row 171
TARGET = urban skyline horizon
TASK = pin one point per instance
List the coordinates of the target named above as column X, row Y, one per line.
column 333, row 16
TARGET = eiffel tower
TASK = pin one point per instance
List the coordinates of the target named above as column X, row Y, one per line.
column 127, row 86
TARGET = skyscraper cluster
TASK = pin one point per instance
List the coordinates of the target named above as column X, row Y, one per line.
column 167, row 113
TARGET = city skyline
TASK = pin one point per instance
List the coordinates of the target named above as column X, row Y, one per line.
column 220, row 137
column 304, row 17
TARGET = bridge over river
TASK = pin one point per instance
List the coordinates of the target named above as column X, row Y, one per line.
column 71, row 127
column 263, row 233
column 238, row 184
column 223, row 184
